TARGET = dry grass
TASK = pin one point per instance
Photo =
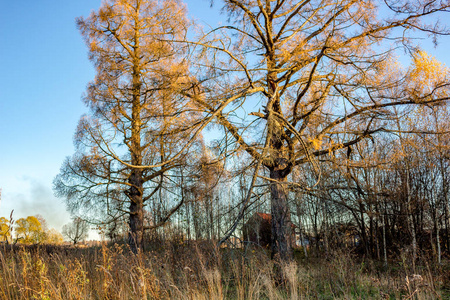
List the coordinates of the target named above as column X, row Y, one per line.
column 203, row 272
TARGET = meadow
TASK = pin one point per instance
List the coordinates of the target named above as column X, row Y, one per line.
column 203, row 271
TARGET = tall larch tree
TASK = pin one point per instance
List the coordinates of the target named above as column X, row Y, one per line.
column 292, row 82
column 131, row 137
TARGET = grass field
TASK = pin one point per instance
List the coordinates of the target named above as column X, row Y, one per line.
column 205, row 272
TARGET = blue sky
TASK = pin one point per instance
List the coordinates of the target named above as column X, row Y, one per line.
column 44, row 72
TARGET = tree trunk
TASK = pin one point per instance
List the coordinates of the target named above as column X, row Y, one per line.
column 447, row 239
column 135, row 237
column 438, row 242
column 300, row 226
column 136, row 191
column 279, row 167
column 445, row 198
column 410, row 219
column 363, row 229
column 325, row 228
column 281, row 219
column 384, row 241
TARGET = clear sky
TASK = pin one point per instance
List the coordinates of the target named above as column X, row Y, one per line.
column 43, row 73
column 44, row 70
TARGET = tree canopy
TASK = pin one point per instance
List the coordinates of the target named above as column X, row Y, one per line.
column 291, row 84
column 132, row 138
column 29, row 230
column 318, row 77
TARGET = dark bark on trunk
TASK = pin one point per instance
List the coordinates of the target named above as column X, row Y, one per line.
column 363, row 230
column 136, row 179
column 281, row 218
column 371, row 235
column 447, row 239
column 279, row 167
column 300, row 226
column 135, row 237
column 385, row 263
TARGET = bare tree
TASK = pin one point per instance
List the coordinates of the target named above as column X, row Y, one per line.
column 76, row 231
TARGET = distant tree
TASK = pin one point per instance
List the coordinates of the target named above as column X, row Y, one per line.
column 43, row 222
column 203, row 188
column 30, row 231
column 54, row 237
column 5, row 233
column 76, row 231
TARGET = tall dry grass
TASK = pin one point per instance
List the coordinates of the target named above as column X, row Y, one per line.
column 200, row 271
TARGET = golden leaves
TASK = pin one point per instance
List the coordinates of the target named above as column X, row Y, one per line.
column 4, row 229
column 30, row 230
column 426, row 74
column 426, row 67
column 316, row 143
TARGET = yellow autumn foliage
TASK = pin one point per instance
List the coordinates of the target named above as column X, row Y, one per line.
column 426, row 73
column 54, row 237
column 5, row 233
column 316, row 143
column 29, row 230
